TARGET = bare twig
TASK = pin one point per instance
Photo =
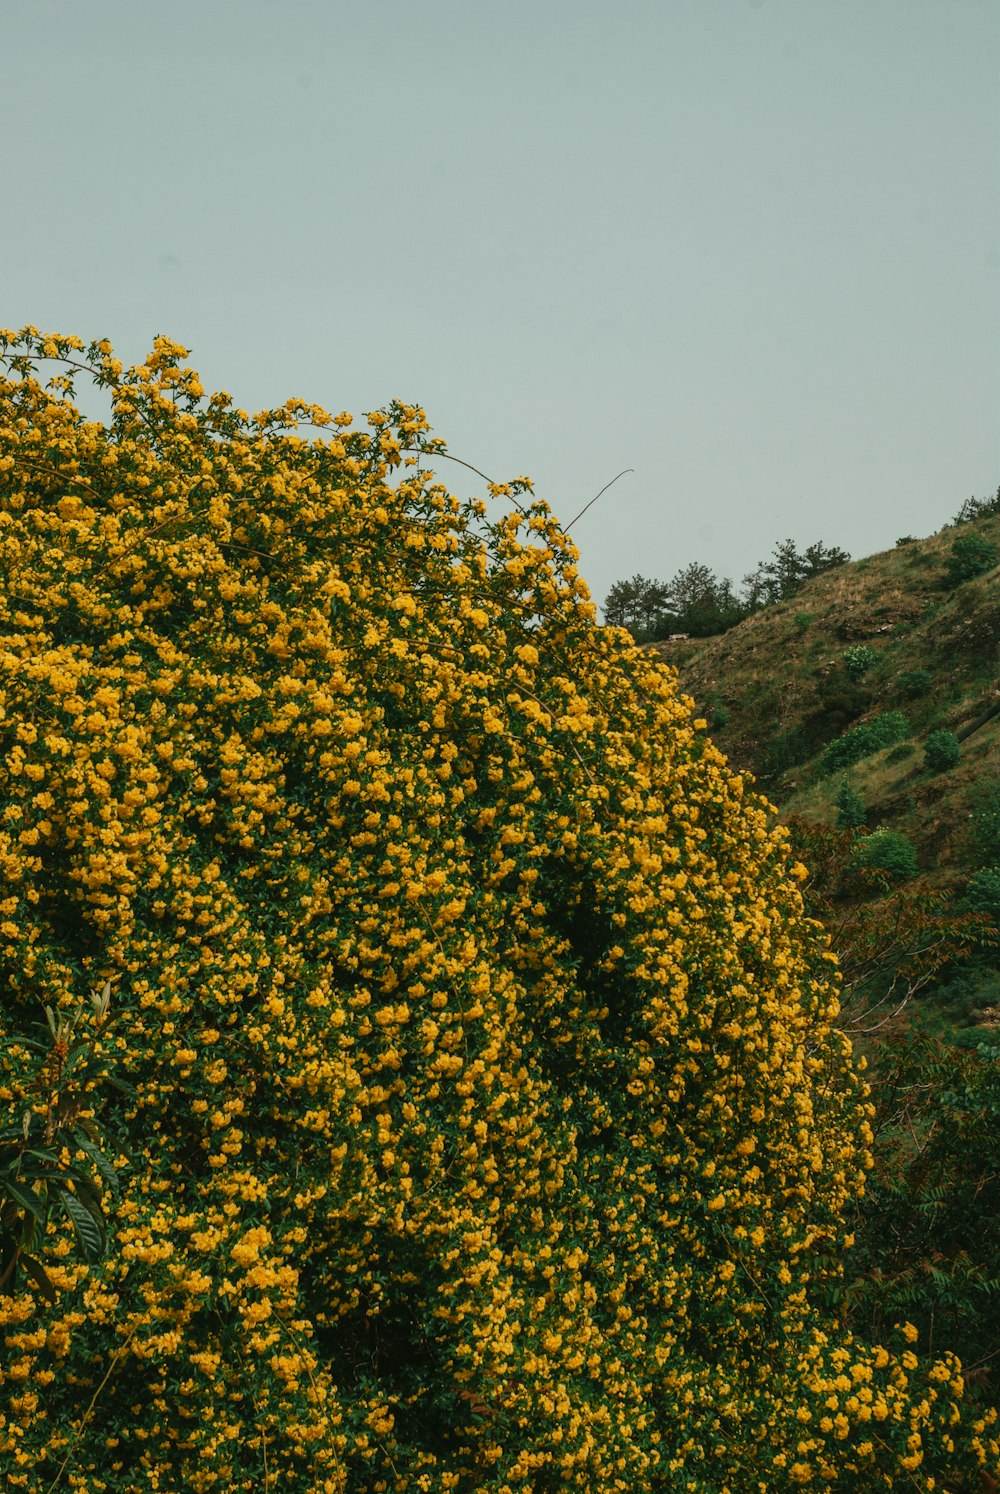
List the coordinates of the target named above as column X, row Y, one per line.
column 593, row 500
column 419, row 451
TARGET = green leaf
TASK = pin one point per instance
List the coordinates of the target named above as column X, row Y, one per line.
column 28, row 1226
column 36, row 1271
column 121, row 1085
column 72, row 1059
column 86, row 1191
column 48, row 1157
column 32, row 1172
column 107, row 1171
column 27, row 1198
column 33, row 1045
column 89, row 1229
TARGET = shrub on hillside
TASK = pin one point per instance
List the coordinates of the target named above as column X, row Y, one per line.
column 984, row 830
column 969, row 557
column 942, row 751
column 851, row 810
column 492, row 1129
column 864, row 739
column 891, row 945
column 840, row 701
column 969, row 990
column 859, row 660
column 888, row 854
column 982, row 895
column 913, row 683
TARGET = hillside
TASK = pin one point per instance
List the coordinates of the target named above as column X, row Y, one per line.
column 789, row 680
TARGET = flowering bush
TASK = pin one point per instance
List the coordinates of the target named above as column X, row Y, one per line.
column 859, row 660
column 490, row 1129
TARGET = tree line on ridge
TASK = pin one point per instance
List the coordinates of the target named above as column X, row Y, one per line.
column 698, row 602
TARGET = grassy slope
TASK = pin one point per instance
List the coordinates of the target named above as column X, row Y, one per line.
column 780, row 678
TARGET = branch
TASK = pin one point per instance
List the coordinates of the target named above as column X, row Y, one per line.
column 593, row 500
column 419, row 451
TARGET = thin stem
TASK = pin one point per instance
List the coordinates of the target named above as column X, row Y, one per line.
column 67, row 477
column 449, row 458
column 86, row 1415
column 593, row 500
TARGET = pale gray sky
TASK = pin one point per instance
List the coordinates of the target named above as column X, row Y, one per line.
column 750, row 248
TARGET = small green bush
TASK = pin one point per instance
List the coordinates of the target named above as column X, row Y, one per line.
column 984, row 832
column 970, row 556
column 942, row 751
column 862, row 740
column 891, row 726
column 905, row 539
column 858, row 660
column 914, row 682
column 982, row 895
column 851, row 810
column 802, row 621
column 887, row 852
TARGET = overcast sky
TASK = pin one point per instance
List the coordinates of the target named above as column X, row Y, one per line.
column 749, row 248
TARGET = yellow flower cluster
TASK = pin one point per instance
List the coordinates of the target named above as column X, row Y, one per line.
column 491, row 1129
